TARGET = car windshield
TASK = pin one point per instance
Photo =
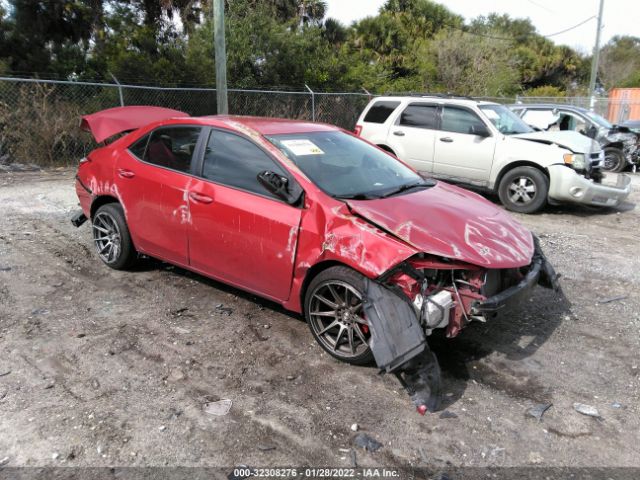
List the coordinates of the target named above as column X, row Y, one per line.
column 346, row 167
column 603, row 122
column 505, row 120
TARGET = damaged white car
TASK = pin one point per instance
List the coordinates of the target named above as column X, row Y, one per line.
column 488, row 146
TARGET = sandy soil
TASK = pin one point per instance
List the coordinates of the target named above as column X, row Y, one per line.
column 99, row 367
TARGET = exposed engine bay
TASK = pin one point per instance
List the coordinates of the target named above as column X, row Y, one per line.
column 406, row 304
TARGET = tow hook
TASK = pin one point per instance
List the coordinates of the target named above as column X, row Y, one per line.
column 78, row 218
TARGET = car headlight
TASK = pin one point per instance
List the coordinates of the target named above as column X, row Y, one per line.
column 575, row 160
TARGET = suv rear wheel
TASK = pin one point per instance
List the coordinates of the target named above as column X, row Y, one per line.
column 524, row 190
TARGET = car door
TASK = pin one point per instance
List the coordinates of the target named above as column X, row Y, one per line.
column 153, row 176
column 240, row 233
column 412, row 135
column 464, row 146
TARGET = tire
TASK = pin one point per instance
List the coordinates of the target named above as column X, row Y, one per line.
column 111, row 237
column 614, row 160
column 342, row 291
column 388, row 150
column 524, row 190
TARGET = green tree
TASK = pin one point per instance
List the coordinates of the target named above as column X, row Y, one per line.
column 619, row 64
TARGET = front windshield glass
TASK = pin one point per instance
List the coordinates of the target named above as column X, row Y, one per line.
column 603, row 122
column 505, row 120
column 346, row 167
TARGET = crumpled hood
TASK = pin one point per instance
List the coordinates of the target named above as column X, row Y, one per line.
column 570, row 140
column 451, row 222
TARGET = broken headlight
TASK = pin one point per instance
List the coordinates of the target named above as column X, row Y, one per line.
column 435, row 309
column 575, row 161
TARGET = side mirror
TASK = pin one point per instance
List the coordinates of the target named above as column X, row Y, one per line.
column 479, row 130
column 280, row 186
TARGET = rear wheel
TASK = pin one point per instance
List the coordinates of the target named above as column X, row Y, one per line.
column 333, row 309
column 614, row 160
column 524, row 189
column 111, row 237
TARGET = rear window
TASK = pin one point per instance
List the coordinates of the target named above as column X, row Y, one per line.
column 380, row 111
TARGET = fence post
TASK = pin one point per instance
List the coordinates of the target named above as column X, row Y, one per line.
column 119, row 88
column 367, row 92
column 313, row 103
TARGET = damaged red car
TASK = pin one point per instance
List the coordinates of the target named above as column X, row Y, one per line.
column 373, row 255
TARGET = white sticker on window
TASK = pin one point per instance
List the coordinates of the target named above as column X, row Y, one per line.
column 302, row 147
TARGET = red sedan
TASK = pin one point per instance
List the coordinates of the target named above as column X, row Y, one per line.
column 309, row 216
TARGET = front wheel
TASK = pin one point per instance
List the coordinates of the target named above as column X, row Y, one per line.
column 614, row 160
column 524, row 190
column 111, row 237
column 333, row 309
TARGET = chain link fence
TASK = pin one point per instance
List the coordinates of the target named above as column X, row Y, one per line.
column 39, row 119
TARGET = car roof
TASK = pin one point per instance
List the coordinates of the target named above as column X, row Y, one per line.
column 463, row 101
column 269, row 126
column 549, row 106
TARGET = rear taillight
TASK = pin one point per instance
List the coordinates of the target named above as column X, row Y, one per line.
column 358, row 130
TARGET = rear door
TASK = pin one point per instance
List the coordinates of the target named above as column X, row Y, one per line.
column 153, row 178
column 240, row 233
column 412, row 135
column 460, row 154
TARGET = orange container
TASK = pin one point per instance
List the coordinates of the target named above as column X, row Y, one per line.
column 624, row 104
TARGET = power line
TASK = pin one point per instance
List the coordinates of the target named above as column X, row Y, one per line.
column 570, row 28
column 540, row 6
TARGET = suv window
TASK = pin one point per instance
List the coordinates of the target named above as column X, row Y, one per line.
column 236, row 162
column 461, row 120
column 420, row 115
column 380, row 111
column 172, row 147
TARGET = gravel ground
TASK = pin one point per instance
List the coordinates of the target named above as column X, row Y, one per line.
column 106, row 368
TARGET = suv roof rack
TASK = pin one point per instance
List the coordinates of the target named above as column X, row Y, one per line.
column 442, row 95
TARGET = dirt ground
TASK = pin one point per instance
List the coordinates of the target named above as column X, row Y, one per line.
column 106, row 368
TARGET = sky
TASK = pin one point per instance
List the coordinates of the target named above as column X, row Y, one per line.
column 620, row 17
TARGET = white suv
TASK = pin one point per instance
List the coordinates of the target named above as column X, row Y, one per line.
column 486, row 145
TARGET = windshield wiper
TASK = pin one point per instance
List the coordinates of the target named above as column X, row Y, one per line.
column 409, row 186
column 357, row 196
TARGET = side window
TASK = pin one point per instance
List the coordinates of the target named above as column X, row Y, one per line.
column 235, row 161
column 461, row 120
column 172, row 147
column 569, row 121
column 139, row 147
column 542, row 119
column 420, row 116
column 380, row 111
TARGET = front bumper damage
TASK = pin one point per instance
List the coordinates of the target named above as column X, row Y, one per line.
column 568, row 186
column 399, row 325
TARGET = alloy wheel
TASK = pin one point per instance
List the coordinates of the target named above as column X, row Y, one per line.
column 107, row 238
column 337, row 318
column 522, row 190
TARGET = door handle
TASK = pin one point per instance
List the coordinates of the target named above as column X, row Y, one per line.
column 124, row 173
column 446, row 139
column 398, row 133
column 200, row 198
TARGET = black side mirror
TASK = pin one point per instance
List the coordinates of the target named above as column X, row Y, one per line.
column 280, row 186
column 479, row 130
